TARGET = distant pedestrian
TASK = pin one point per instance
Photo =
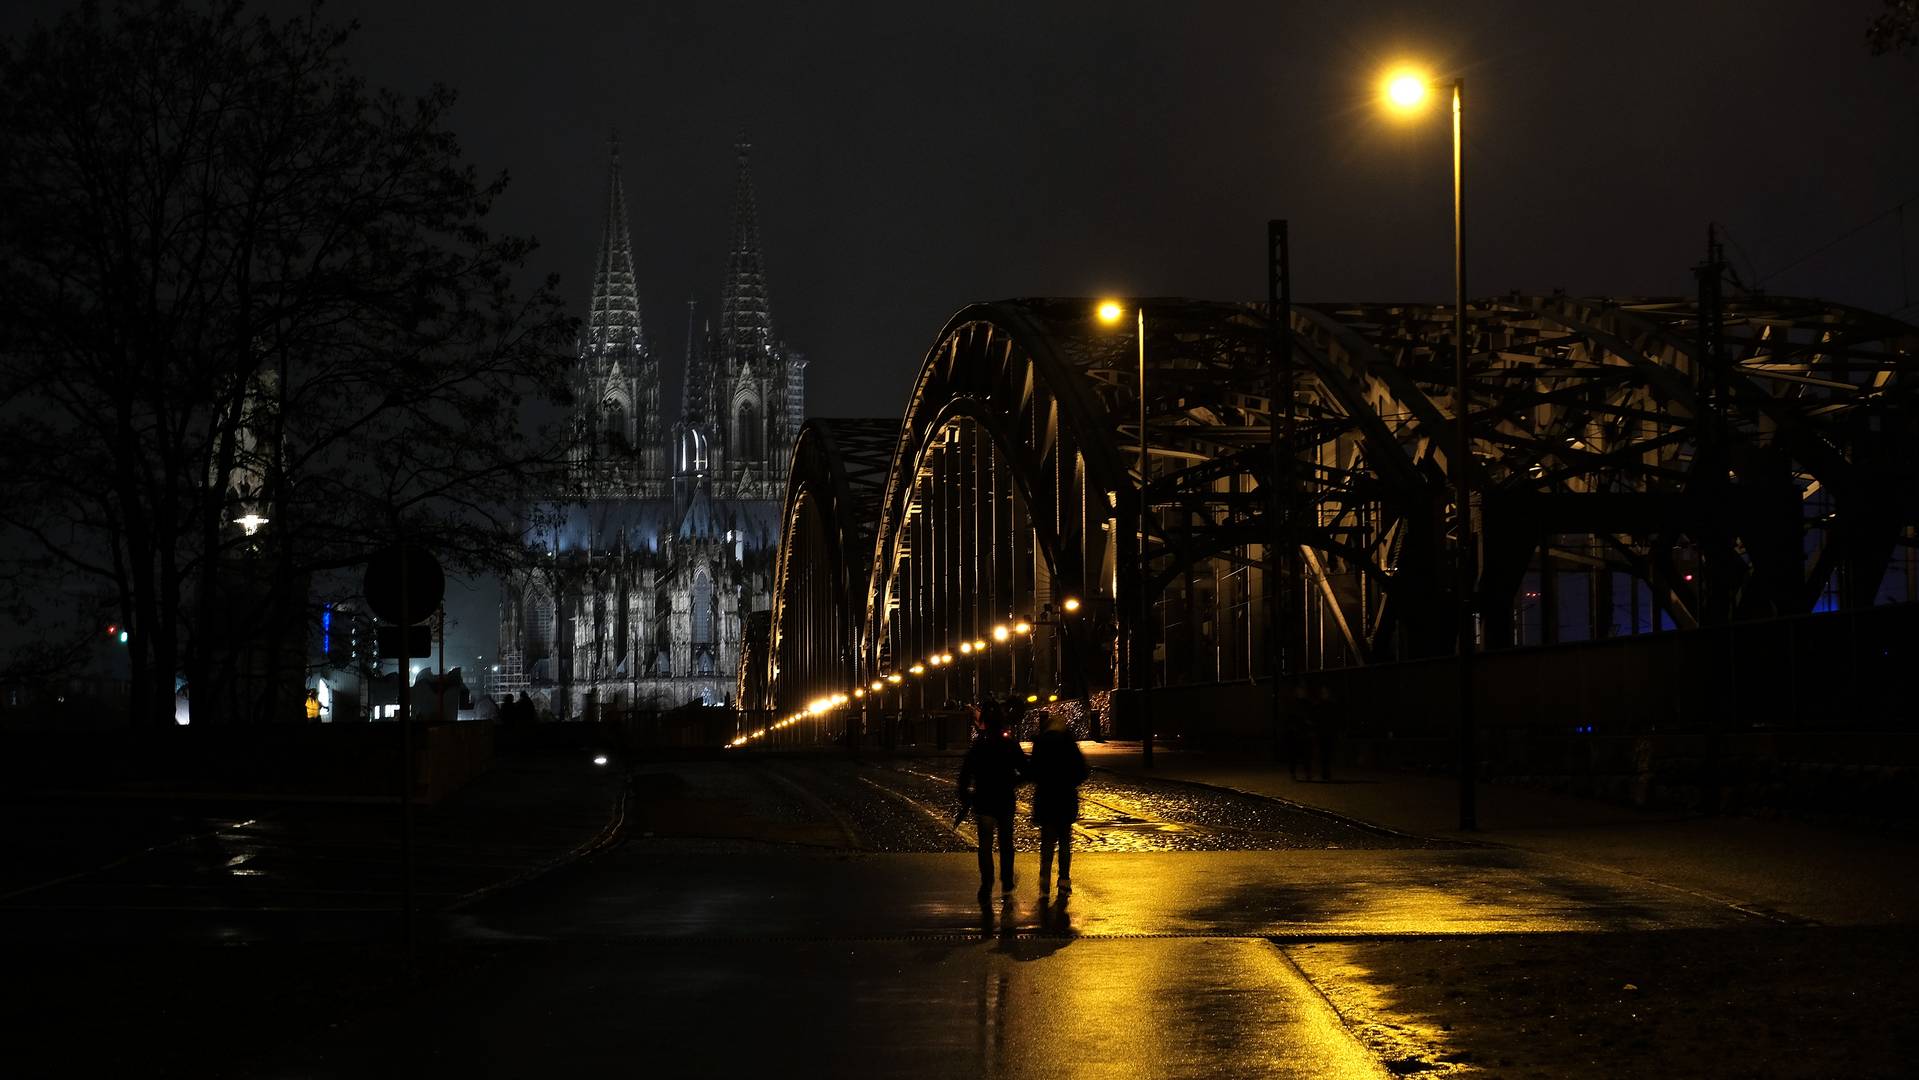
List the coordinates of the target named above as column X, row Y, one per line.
column 1057, row 770
column 523, row 709
column 988, row 780
column 313, row 706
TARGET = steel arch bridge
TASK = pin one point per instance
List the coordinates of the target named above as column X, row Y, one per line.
column 1626, row 478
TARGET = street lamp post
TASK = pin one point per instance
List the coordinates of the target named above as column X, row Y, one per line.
column 1110, row 312
column 1407, row 92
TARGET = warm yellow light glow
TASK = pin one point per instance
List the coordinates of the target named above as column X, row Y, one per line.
column 878, row 686
column 896, row 677
column 858, row 692
column 978, row 644
column 1110, row 312
column 966, row 647
column 947, row 657
column 1030, row 698
column 1000, row 633
column 920, row 669
column 1027, row 628
column 1055, row 697
column 1407, row 90
column 1071, row 603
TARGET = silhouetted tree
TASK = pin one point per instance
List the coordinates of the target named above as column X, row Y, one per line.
column 1896, row 29
column 233, row 279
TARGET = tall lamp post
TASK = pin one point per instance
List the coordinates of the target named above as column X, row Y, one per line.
column 1111, row 312
column 1407, row 92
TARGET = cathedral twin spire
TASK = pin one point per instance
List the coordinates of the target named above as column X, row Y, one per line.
column 740, row 393
column 746, row 323
column 613, row 321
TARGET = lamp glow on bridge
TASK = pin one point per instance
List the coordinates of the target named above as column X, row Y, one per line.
column 966, row 648
column 1022, row 628
column 895, row 678
column 1001, row 633
column 978, row 644
column 946, row 658
column 1110, row 312
column 1071, row 603
column 918, row 669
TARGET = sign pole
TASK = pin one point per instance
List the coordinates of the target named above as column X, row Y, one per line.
column 404, row 663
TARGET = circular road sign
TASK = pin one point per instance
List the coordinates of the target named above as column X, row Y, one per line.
column 425, row 583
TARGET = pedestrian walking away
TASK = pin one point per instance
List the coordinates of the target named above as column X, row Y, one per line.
column 1057, row 770
column 989, row 779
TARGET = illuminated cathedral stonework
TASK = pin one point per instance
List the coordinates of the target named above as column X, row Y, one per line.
column 640, row 575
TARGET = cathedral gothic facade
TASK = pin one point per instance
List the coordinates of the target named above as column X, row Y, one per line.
column 640, row 575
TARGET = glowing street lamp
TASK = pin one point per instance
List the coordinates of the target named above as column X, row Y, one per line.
column 966, row 648
column 1001, row 633
column 250, row 521
column 1406, row 92
column 1070, row 604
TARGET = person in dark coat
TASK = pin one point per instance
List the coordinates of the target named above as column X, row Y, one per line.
column 1057, row 770
column 988, row 779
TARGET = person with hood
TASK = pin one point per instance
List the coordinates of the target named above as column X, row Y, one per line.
column 1057, row 770
column 988, row 779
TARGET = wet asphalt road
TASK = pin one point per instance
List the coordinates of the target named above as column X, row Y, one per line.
column 801, row 916
column 816, row 916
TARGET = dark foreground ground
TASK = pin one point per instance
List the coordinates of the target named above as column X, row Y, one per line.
column 816, row 917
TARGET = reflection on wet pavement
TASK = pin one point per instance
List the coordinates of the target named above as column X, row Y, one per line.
column 908, row 806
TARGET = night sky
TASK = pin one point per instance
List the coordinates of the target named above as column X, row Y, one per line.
column 911, row 158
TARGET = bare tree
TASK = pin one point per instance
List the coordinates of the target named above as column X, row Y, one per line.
column 238, row 284
column 1896, row 29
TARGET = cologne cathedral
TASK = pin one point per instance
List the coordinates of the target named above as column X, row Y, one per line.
column 641, row 573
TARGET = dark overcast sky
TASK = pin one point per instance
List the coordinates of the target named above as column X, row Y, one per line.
column 912, row 157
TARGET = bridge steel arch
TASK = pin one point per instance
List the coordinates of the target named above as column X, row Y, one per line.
column 1634, row 467
column 838, row 473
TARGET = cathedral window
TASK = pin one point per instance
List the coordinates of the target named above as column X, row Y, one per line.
column 702, row 608
column 540, row 620
column 615, row 425
column 748, row 440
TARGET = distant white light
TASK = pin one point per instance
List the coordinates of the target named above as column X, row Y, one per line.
column 251, row 522
column 599, row 759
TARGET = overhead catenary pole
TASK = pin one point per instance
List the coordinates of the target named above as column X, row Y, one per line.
column 1280, row 425
column 1142, row 605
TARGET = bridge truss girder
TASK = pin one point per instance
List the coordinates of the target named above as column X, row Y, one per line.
column 1607, row 449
